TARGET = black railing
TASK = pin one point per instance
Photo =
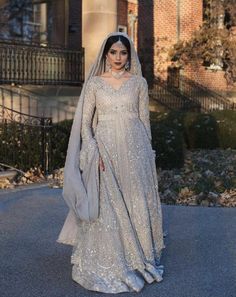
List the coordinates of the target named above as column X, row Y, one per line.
column 35, row 64
column 28, row 141
column 171, row 98
column 189, row 95
column 208, row 99
column 24, row 140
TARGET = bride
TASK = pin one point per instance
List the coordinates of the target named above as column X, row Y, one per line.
column 110, row 180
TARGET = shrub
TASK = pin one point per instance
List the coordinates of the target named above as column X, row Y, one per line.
column 174, row 131
column 226, row 122
column 59, row 143
column 201, row 131
column 209, row 131
column 20, row 145
column 167, row 140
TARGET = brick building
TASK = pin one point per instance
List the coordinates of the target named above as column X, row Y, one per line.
column 153, row 25
column 158, row 25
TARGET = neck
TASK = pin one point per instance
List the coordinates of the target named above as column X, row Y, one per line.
column 118, row 70
column 117, row 74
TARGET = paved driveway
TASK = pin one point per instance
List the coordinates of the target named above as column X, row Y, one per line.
column 199, row 259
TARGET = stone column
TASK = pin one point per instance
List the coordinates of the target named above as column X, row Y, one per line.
column 43, row 22
column 99, row 19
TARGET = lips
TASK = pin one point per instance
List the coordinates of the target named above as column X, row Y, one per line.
column 118, row 63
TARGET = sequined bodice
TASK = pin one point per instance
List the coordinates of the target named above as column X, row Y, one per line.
column 109, row 100
column 129, row 101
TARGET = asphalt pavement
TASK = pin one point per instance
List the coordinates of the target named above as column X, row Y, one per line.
column 199, row 259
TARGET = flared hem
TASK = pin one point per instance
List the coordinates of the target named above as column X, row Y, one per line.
column 134, row 281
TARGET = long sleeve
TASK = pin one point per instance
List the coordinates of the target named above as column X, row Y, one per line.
column 88, row 141
column 88, row 111
column 144, row 113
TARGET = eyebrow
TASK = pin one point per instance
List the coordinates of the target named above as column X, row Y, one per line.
column 123, row 50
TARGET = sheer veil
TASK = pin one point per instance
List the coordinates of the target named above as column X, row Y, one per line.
column 81, row 189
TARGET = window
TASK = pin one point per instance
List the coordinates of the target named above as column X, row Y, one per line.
column 39, row 19
column 28, row 21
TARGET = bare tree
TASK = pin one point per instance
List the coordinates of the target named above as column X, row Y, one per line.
column 214, row 44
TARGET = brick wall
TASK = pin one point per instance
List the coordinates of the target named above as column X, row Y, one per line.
column 175, row 20
column 122, row 13
column 211, row 79
column 145, row 44
column 191, row 19
column 165, row 16
column 165, row 32
column 191, row 14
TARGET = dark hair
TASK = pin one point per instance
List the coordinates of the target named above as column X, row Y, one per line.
column 113, row 39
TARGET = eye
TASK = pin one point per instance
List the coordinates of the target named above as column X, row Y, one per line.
column 112, row 52
column 124, row 53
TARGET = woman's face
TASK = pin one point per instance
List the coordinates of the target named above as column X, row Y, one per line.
column 117, row 56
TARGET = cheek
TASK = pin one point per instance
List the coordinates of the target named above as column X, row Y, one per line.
column 124, row 59
column 110, row 57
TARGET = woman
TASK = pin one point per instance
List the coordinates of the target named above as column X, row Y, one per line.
column 110, row 181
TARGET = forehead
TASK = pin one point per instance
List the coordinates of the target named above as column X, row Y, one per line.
column 118, row 46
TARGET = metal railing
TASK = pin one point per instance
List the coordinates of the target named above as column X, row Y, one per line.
column 207, row 98
column 35, row 64
column 28, row 141
column 171, row 98
column 189, row 95
column 24, row 140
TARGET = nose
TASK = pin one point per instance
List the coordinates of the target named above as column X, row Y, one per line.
column 118, row 56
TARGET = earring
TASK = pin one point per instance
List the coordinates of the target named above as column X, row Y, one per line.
column 107, row 65
column 127, row 65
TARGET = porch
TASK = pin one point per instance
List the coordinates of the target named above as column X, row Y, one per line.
column 35, row 64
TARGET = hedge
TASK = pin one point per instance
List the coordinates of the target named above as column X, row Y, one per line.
column 176, row 131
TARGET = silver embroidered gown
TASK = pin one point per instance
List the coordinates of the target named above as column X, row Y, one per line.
column 121, row 249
